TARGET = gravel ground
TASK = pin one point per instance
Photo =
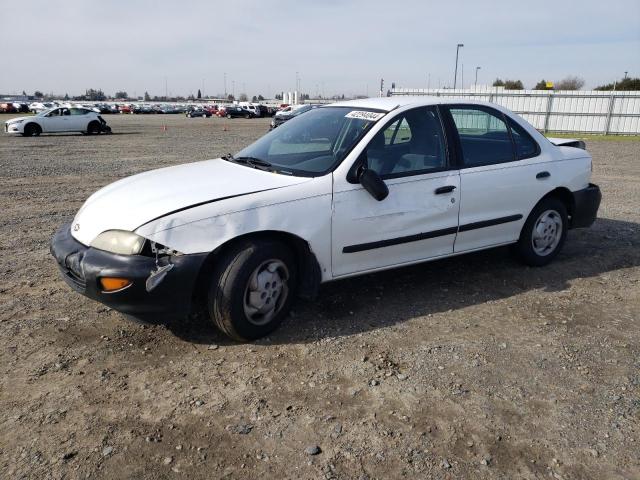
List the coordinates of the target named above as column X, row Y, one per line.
column 472, row 367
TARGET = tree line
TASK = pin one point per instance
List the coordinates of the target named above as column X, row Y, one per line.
column 569, row 83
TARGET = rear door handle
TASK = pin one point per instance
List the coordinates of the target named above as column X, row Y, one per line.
column 447, row 189
column 542, row 175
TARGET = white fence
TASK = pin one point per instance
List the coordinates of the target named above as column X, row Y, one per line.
column 596, row 112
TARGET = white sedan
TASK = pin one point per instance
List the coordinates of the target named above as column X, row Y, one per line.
column 342, row 190
column 57, row 120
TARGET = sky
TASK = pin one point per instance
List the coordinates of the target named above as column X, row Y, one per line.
column 331, row 46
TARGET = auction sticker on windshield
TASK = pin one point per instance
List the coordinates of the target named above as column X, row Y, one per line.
column 364, row 115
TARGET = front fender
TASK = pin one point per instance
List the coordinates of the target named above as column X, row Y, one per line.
column 302, row 210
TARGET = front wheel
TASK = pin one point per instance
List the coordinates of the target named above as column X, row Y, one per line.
column 228, row 115
column 252, row 289
column 544, row 233
column 32, row 129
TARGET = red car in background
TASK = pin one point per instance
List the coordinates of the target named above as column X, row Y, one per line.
column 125, row 109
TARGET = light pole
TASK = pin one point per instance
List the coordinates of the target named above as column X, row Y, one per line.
column 455, row 76
column 477, row 68
column 625, row 75
column 225, row 85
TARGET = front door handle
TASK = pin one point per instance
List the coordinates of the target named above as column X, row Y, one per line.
column 542, row 175
column 447, row 189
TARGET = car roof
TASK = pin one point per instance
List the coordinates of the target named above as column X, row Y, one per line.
column 391, row 103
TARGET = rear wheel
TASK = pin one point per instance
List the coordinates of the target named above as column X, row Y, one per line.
column 544, row 233
column 252, row 289
column 32, row 129
column 228, row 115
column 93, row 128
column 247, row 116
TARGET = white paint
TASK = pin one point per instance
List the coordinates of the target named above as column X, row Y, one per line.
column 330, row 213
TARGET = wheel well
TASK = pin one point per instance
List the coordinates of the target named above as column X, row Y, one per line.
column 565, row 196
column 309, row 274
column 34, row 124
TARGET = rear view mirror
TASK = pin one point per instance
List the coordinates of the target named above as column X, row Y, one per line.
column 372, row 183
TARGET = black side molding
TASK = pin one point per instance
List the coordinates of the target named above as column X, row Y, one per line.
column 489, row 223
column 427, row 235
column 399, row 240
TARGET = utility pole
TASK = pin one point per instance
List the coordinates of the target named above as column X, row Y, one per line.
column 477, row 68
column 382, row 87
column 455, row 76
column 225, row 85
column 166, row 90
column 625, row 75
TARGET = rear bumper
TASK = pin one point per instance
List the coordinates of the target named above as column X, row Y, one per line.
column 82, row 267
column 586, row 204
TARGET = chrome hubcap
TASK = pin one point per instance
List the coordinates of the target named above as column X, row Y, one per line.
column 547, row 233
column 266, row 291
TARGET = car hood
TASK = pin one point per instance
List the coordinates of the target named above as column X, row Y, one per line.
column 17, row 119
column 133, row 201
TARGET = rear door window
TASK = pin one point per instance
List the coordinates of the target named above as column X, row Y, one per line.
column 484, row 136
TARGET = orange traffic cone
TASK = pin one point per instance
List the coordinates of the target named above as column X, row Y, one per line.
column 164, row 128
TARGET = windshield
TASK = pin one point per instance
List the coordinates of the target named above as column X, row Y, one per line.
column 312, row 143
column 45, row 112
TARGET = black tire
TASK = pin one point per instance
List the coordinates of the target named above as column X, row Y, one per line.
column 557, row 214
column 31, row 129
column 247, row 116
column 93, row 128
column 230, row 287
column 228, row 115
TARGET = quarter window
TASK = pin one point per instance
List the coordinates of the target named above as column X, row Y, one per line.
column 526, row 147
column 484, row 137
column 411, row 144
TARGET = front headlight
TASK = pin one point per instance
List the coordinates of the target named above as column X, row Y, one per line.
column 119, row 241
column 14, row 122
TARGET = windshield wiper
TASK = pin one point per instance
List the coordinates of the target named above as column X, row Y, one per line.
column 254, row 161
column 251, row 161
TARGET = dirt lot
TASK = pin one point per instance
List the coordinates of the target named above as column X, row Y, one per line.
column 474, row 367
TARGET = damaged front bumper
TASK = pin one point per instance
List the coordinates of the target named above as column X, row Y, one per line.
column 82, row 268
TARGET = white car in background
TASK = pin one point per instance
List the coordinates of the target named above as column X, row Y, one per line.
column 38, row 107
column 58, row 120
column 342, row 190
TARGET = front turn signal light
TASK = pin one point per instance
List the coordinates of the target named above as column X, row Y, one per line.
column 111, row 284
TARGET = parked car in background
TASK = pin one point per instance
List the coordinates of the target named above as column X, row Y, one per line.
column 7, row 108
column 234, row 111
column 198, row 112
column 125, row 109
column 251, row 107
column 342, row 190
column 37, row 107
column 278, row 120
column 57, row 120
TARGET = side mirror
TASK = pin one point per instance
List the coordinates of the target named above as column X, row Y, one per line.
column 373, row 184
